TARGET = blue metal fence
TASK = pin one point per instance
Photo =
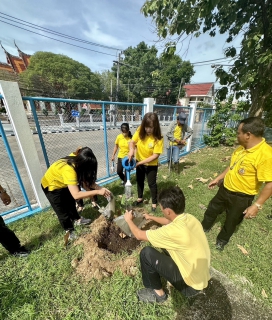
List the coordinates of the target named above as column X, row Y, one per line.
column 12, row 181
column 59, row 126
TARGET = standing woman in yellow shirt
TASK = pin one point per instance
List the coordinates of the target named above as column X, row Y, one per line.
column 61, row 185
column 122, row 143
column 149, row 142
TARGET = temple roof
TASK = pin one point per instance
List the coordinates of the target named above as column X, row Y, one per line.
column 18, row 64
column 5, row 67
column 199, row 89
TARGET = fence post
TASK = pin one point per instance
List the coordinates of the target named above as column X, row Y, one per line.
column 105, row 138
column 149, row 105
column 18, row 119
column 191, row 125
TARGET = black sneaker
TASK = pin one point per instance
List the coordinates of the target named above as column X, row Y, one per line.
column 220, row 245
column 21, row 253
column 149, row 295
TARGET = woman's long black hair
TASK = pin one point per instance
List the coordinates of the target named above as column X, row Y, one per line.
column 85, row 165
column 125, row 128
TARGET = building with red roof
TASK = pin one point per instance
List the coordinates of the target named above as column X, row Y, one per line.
column 198, row 92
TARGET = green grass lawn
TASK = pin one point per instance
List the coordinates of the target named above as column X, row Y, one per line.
column 46, row 286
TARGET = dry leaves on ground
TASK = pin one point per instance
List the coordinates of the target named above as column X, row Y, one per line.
column 264, row 294
column 202, row 180
column 164, row 177
column 242, row 249
column 227, row 158
column 215, row 174
column 191, row 186
column 202, row 206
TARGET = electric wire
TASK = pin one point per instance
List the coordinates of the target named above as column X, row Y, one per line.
column 35, row 26
column 74, row 45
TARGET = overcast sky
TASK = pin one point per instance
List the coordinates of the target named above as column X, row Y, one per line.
column 113, row 23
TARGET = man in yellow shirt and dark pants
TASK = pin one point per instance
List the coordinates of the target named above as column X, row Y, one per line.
column 250, row 168
column 187, row 260
column 176, row 135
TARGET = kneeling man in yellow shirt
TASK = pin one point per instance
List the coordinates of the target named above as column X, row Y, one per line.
column 185, row 261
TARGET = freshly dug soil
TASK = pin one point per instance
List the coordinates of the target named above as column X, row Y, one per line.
column 100, row 248
column 113, row 242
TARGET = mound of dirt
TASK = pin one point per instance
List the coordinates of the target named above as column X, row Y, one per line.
column 100, row 248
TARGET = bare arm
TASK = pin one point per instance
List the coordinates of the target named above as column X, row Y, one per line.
column 131, row 150
column 221, row 176
column 78, row 194
column 149, row 159
column 265, row 194
column 138, row 233
column 114, row 152
column 160, row 220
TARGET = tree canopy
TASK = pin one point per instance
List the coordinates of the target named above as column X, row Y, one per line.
column 145, row 74
column 56, row 74
column 251, row 73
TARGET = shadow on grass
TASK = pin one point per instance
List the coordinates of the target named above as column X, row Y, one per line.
column 213, row 304
column 37, row 241
column 185, row 165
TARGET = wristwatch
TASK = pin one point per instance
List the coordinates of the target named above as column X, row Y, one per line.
column 258, row 206
column 3, row 191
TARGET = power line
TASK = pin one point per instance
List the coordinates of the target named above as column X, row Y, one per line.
column 74, row 45
column 224, row 58
column 59, row 34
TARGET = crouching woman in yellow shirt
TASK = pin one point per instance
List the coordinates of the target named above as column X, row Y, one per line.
column 149, row 142
column 61, row 185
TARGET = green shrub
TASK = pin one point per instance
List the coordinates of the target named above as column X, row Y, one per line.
column 223, row 123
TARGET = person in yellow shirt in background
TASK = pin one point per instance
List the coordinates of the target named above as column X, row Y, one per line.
column 176, row 135
column 185, row 262
column 149, row 142
column 250, row 168
column 122, row 143
column 61, row 185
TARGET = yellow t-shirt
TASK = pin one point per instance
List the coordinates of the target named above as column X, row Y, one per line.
column 177, row 135
column 123, row 144
column 147, row 147
column 187, row 245
column 249, row 169
column 59, row 175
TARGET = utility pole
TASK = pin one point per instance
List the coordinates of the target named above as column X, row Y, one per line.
column 181, row 82
column 111, row 90
column 118, row 72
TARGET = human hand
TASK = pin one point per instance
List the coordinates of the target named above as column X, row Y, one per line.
column 183, row 142
column 213, row 183
column 130, row 155
column 128, row 216
column 104, row 192
column 137, row 164
column 112, row 158
column 251, row 212
column 5, row 198
column 147, row 216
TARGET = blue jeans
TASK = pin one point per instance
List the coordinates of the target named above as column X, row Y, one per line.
column 175, row 154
